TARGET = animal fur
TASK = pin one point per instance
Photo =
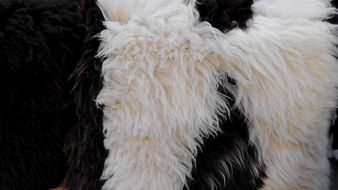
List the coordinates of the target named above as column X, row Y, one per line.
column 175, row 129
column 225, row 14
column 334, row 135
column 39, row 47
column 286, row 91
column 84, row 148
column 334, row 127
column 162, row 72
column 227, row 160
column 153, row 63
column 89, row 126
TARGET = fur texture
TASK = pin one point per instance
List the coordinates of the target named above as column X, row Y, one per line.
column 225, row 14
column 334, row 127
column 157, row 138
column 334, row 131
column 227, row 160
column 39, row 43
column 286, row 91
column 153, row 63
column 162, row 72
column 84, row 147
column 88, row 85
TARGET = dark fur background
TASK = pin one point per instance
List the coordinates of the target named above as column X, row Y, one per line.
column 225, row 14
column 228, row 161
column 39, row 47
column 84, row 148
column 334, row 128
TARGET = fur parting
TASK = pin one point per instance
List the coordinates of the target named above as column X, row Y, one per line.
column 227, row 160
column 159, row 94
column 287, row 81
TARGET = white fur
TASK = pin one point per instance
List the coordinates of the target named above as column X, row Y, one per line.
column 287, row 86
column 161, row 71
column 159, row 94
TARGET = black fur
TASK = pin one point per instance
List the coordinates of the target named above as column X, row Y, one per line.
column 39, row 43
column 334, row 128
column 85, row 150
column 225, row 14
column 334, row 131
column 231, row 148
column 334, row 18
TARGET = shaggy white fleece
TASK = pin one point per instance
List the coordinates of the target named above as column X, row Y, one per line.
column 161, row 71
column 159, row 95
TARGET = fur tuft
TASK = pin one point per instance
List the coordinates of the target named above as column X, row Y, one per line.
column 159, row 94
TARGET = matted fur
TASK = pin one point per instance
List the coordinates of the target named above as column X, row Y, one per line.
column 39, row 47
column 161, row 73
